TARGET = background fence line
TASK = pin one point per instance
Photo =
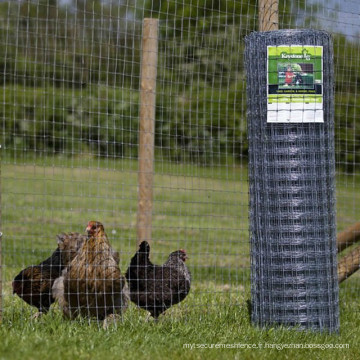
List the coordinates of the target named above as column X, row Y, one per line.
column 70, row 110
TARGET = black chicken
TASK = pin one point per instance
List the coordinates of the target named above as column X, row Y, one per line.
column 156, row 288
column 34, row 283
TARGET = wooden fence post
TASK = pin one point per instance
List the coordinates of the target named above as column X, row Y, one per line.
column 349, row 264
column 147, row 128
column 268, row 15
column 348, row 237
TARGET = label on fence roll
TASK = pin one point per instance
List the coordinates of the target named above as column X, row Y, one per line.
column 295, row 84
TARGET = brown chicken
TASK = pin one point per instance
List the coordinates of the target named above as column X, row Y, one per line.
column 69, row 245
column 92, row 285
column 156, row 288
column 34, row 283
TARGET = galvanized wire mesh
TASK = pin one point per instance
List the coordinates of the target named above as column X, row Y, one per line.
column 292, row 192
column 70, row 128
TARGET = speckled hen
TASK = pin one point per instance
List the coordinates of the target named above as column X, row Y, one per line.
column 93, row 285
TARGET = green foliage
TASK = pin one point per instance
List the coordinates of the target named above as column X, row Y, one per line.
column 99, row 121
column 49, row 45
column 203, row 15
column 200, row 110
column 200, row 107
column 54, row 59
column 209, row 124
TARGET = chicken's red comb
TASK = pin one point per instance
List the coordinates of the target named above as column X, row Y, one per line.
column 90, row 224
column 183, row 250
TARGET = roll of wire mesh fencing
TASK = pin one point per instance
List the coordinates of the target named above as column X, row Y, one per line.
column 290, row 113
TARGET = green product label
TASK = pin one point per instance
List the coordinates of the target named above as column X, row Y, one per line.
column 295, row 83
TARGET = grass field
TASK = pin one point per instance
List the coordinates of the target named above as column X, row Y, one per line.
column 203, row 210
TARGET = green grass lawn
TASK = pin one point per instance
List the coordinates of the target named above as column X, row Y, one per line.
column 203, row 210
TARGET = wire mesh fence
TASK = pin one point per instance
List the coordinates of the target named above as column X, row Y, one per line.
column 70, row 108
column 291, row 172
